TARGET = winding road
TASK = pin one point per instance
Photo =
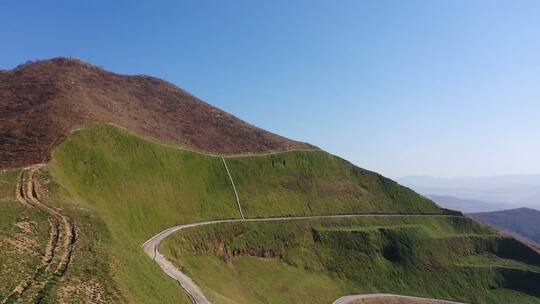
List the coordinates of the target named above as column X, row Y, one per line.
column 151, row 248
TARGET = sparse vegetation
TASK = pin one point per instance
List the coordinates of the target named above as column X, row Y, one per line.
column 23, row 236
column 89, row 277
column 316, row 182
column 139, row 188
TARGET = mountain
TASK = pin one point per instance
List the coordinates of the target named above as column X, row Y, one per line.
column 484, row 182
column 509, row 190
column 465, row 205
column 42, row 101
column 116, row 193
column 523, row 221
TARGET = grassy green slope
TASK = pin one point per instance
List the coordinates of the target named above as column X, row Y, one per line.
column 24, row 233
column 123, row 189
column 146, row 187
column 139, row 187
column 315, row 182
column 316, row 261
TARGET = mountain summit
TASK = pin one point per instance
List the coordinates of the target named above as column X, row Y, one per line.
column 42, row 101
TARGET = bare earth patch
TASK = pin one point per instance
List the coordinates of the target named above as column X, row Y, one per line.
column 24, row 242
column 85, row 292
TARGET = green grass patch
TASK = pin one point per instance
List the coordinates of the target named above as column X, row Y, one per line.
column 122, row 189
column 140, row 186
column 257, row 262
column 316, row 182
column 137, row 188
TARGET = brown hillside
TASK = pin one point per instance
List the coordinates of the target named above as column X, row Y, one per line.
column 41, row 102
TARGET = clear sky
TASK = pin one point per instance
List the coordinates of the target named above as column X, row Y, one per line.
column 445, row 88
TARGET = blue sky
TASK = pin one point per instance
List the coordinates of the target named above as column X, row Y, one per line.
column 445, row 88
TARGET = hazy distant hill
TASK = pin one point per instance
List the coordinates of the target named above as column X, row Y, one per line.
column 523, row 221
column 466, row 205
column 510, row 190
column 473, row 182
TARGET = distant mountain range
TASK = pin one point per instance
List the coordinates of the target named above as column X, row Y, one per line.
column 473, row 194
column 466, row 205
column 523, row 221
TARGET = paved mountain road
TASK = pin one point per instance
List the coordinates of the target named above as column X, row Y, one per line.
column 388, row 298
column 151, row 248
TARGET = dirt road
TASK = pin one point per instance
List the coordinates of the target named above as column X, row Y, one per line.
column 151, row 248
column 59, row 249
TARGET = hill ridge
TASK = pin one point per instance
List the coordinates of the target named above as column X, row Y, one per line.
column 522, row 222
column 42, row 101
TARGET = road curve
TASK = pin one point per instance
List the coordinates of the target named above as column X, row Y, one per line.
column 385, row 296
column 151, row 248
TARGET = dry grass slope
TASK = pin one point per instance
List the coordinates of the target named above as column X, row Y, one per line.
column 43, row 101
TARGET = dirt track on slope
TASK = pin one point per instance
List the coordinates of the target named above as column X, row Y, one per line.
column 151, row 248
column 58, row 252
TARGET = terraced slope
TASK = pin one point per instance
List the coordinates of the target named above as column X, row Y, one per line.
column 71, row 230
column 120, row 189
column 45, row 256
column 140, row 187
column 152, row 246
column 59, row 249
column 319, row 260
